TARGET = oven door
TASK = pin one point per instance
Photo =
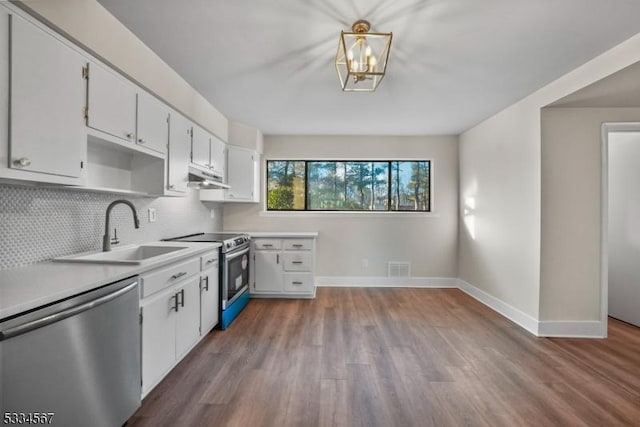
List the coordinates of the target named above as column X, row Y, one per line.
column 235, row 277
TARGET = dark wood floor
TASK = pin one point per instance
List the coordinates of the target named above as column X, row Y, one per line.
column 396, row 357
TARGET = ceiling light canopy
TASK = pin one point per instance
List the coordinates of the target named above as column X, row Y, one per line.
column 362, row 58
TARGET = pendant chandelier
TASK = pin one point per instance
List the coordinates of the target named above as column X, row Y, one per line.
column 362, row 57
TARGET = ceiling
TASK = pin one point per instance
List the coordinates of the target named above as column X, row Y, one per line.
column 453, row 63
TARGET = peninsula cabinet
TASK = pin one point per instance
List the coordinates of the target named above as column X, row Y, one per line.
column 47, row 97
column 283, row 268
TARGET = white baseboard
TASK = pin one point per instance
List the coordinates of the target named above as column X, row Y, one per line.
column 518, row 317
column 387, row 282
column 572, row 329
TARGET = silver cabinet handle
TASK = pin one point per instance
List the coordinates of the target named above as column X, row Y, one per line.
column 178, row 275
column 296, row 283
column 211, row 260
column 296, row 262
column 267, row 245
column 278, row 259
column 297, row 245
column 181, row 299
column 129, row 135
column 175, row 300
column 22, row 161
column 206, row 280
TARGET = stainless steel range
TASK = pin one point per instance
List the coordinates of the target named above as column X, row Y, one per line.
column 235, row 264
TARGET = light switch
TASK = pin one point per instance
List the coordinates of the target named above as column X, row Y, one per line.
column 152, row 214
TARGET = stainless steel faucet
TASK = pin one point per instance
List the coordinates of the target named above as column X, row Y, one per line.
column 106, row 239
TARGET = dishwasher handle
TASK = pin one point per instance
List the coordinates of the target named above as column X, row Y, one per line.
column 63, row 314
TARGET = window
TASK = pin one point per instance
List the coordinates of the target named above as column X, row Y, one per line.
column 349, row 185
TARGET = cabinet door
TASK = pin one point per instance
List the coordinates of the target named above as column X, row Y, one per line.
column 240, row 173
column 112, row 103
column 209, row 302
column 188, row 316
column 200, row 150
column 158, row 337
column 179, row 152
column 268, row 276
column 47, row 99
column 219, row 157
column 153, row 123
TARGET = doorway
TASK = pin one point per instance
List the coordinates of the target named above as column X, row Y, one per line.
column 621, row 222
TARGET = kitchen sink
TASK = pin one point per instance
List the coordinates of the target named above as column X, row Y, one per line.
column 135, row 254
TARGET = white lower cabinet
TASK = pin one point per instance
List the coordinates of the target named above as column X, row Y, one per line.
column 179, row 305
column 158, row 337
column 187, row 316
column 284, row 268
column 209, row 293
column 268, row 271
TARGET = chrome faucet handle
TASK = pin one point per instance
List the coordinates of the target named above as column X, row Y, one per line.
column 114, row 239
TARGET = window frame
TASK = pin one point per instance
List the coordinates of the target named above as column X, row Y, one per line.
column 307, row 211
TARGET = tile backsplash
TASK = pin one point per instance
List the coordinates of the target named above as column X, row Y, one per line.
column 37, row 224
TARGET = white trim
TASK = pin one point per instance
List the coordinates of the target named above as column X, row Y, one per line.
column 572, row 329
column 518, row 317
column 604, row 218
column 386, row 282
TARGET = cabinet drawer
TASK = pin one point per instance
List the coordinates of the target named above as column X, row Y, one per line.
column 159, row 279
column 265, row 244
column 208, row 260
column 297, row 244
column 297, row 261
column 298, row 282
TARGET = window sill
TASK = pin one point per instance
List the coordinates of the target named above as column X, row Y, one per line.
column 326, row 214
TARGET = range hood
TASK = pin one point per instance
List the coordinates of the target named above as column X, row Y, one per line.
column 204, row 178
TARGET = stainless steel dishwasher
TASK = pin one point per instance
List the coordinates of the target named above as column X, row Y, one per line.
column 76, row 360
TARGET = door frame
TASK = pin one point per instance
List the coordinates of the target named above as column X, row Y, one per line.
column 604, row 216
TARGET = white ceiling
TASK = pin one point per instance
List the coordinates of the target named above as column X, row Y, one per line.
column 453, row 62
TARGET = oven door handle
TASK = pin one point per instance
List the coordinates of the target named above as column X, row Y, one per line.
column 236, row 255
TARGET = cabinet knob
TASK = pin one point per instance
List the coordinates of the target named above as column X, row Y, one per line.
column 129, row 135
column 172, row 186
column 22, row 161
column 141, row 140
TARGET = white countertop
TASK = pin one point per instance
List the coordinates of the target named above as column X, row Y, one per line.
column 285, row 234
column 26, row 288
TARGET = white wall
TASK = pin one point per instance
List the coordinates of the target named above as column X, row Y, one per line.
column 571, row 241
column 500, row 167
column 428, row 241
column 93, row 27
column 624, row 226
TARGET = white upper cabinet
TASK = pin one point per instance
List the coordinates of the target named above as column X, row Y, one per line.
column 242, row 169
column 218, row 157
column 200, row 146
column 112, row 104
column 47, row 100
column 153, row 123
column 179, row 153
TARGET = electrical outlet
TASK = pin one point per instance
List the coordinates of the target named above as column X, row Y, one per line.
column 152, row 214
